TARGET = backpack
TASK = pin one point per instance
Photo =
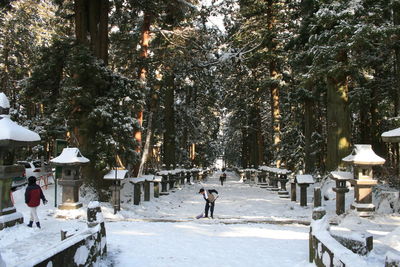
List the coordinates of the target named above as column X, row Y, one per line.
column 211, row 197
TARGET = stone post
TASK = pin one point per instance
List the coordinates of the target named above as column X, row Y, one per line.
column 136, row 193
column 95, row 217
column 341, row 190
column 293, row 192
column 171, row 181
column 303, row 194
column 164, row 185
column 304, row 180
column 187, row 177
column 146, row 190
column 182, row 176
column 156, row 189
column 259, row 177
column 317, row 197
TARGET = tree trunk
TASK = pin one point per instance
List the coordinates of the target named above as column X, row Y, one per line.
column 91, row 30
column 338, row 121
column 144, row 43
column 396, row 22
column 91, row 26
column 274, row 89
column 169, row 120
column 245, row 150
column 377, row 145
column 255, row 138
column 309, row 128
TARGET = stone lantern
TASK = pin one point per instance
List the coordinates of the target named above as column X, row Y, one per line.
column 392, row 136
column 304, row 180
column 283, row 179
column 116, row 175
column 11, row 136
column 341, row 178
column 70, row 160
column 363, row 158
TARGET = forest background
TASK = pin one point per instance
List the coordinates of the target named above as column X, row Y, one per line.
column 139, row 83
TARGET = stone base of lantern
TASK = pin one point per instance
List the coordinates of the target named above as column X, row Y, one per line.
column 10, row 218
column 283, row 194
column 363, row 210
column 70, row 206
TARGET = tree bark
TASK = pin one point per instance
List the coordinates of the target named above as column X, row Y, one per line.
column 274, row 88
column 91, row 26
column 338, row 121
column 144, row 43
column 396, row 22
column 169, row 120
column 245, row 149
column 309, row 128
column 255, row 138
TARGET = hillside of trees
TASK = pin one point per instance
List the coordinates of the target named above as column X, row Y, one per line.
column 142, row 83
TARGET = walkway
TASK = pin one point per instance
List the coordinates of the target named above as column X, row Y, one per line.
column 206, row 242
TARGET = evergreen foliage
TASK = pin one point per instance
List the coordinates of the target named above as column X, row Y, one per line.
column 261, row 91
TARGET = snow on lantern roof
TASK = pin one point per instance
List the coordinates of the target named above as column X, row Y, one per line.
column 116, row 174
column 4, row 103
column 304, row 179
column 363, row 155
column 341, row 175
column 274, row 170
column 12, row 134
column 392, row 136
column 70, row 156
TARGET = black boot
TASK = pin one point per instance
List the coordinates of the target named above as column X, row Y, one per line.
column 30, row 224
column 38, row 224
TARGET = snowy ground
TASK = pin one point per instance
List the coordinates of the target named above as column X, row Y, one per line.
column 163, row 232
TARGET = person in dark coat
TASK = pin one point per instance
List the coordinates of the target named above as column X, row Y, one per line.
column 222, row 178
column 210, row 201
column 33, row 195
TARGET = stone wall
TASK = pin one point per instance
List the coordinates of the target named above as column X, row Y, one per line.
column 321, row 255
column 83, row 248
column 327, row 251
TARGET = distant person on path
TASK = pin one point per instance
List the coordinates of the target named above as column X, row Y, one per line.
column 33, row 195
column 222, row 178
column 210, row 201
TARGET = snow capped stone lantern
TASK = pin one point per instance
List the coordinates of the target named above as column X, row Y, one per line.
column 11, row 136
column 363, row 158
column 116, row 175
column 70, row 159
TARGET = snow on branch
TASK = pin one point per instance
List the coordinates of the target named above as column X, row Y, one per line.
column 188, row 4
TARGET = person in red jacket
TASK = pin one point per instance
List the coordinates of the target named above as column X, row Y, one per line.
column 33, row 194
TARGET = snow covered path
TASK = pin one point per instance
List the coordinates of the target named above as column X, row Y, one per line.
column 199, row 244
column 237, row 201
column 163, row 231
column 205, row 242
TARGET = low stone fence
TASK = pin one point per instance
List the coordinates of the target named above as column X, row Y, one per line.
column 327, row 251
column 330, row 247
column 82, row 248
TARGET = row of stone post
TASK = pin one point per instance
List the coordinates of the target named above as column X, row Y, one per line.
column 168, row 179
